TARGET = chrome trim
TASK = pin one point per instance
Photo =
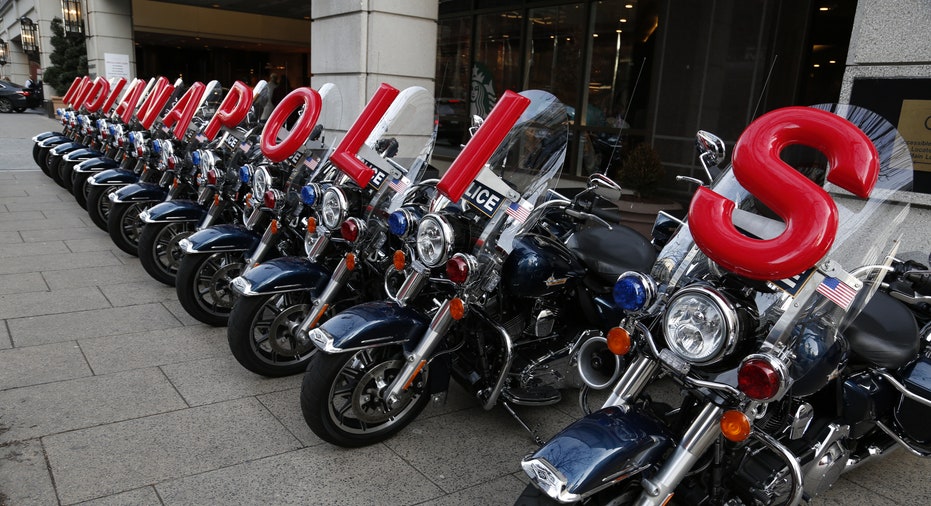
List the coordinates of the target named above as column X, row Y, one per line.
column 342, row 204
column 901, row 440
column 649, row 286
column 790, row 460
column 779, row 366
column 903, row 389
column 446, row 231
column 728, row 313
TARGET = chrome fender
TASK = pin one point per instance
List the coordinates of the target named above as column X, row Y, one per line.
column 113, row 177
column 139, row 192
column 370, row 325
column 174, row 211
column 225, row 237
column 285, row 274
column 595, row 451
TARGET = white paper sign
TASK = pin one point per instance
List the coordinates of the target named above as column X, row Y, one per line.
column 117, row 65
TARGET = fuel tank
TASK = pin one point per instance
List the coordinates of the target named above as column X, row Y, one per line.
column 538, row 266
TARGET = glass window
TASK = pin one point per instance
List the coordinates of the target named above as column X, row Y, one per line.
column 557, row 51
column 497, row 59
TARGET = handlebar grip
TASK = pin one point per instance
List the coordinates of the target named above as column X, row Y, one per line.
column 921, row 282
column 612, row 216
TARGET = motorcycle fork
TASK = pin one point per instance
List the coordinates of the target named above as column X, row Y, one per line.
column 337, row 282
column 417, row 359
column 267, row 240
column 212, row 213
column 635, row 378
column 413, row 284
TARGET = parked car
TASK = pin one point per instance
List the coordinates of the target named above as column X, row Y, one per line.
column 15, row 97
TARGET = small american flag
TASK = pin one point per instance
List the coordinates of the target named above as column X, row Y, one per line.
column 520, row 211
column 398, row 185
column 201, row 137
column 310, row 163
column 245, row 146
column 837, row 291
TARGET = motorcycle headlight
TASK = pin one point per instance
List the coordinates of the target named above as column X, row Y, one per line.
column 700, row 325
column 261, row 180
column 333, row 208
column 434, row 240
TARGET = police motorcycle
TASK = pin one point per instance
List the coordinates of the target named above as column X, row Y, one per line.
column 279, row 300
column 141, row 156
column 223, row 175
column 172, row 173
column 517, row 307
column 69, row 97
column 272, row 219
column 79, row 165
column 778, row 310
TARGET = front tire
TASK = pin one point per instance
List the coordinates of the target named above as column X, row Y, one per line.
column 341, row 396
column 203, row 285
column 261, row 336
column 125, row 225
column 158, row 249
column 98, row 205
column 80, row 188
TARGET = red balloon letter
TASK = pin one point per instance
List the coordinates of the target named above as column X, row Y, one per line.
column 153, row 104
column 232, row 110
column 184, row 110
column 114, row 94
column 482, row 145
column 77, row 100
column 311, row 101
column 808, row 211
column 73, row 89
column 125, row 110
column 344, row 156
column 98, row 94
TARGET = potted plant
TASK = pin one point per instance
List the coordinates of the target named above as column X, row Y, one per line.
column 642, row 172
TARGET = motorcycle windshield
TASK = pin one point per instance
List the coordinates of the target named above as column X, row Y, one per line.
column 319, row 145
column 521, row 170
column 832, row 291
column 398, row 149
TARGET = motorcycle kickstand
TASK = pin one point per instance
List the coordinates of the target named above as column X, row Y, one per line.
column 536, row 437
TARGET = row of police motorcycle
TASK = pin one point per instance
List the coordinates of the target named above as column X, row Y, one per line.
column 796, row 333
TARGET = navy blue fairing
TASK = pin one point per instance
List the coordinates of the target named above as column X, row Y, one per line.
column 603, row 446
column 373, row 323
column 67, row 147
column 115, row 177
column 176, row 211
column 96, row 165
column 83, row 154
column 141, row 192
column 287, row 274
column 225, row 237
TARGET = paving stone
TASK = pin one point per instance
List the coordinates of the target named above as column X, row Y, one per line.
column 11, row 238
column 22, row 283
column 146, row 496
column 100, row 461
column 5, row 342
column 492, row 438
column 91, row 242
column 503, row 490
column 221, row 378
column 888, row 480
column 141, row 292
column 37, row 202
column 40, row 224
column 63, row 406
column 57, row 301
column 179, row 312
column 61, row 261
column 60, row 234
column 26, row 249
column 33, row 365
column 286, row 406
column 24, row 476
column 319, row 475
column 35, row 330
column 96, row 276
column 16, row 215
column 159, row 347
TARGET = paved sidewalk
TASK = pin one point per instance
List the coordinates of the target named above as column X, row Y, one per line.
column 111, row 394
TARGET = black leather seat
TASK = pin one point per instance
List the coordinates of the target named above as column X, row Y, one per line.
column 885, row 334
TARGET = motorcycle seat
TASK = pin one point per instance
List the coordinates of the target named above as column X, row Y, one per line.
column 609, row 253
column 885, row 333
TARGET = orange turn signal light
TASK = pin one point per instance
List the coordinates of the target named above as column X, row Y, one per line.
column 274, row 226
column 350, row 261
column 735, row 426
column 619, row 341
column 456, row 308
column 216, row 199
column 311, row 225
column 399, row 260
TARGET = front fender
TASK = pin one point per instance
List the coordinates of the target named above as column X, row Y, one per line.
column 174, row 211
column 83, row 154
column 285, row 274
column 595, row 451
column 98, row 164
column 369, row 325
column 113, row 177
column 51, row 142
column 225, row 237
column 139, row 192
column 45, row 135
column 66, row 147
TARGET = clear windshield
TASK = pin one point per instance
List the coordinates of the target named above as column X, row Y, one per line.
column 868, row 233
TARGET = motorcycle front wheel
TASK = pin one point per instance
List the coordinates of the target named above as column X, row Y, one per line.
column 80, row 188
column 53, row 164
column 203, row 285
column 158, row 249
column 261, row 335
column 98, row 205
column 124, row 225
column 341, row 396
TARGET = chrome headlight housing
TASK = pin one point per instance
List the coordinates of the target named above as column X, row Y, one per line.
column 434, row 240
column 261, row 181
column 333, row 208
column 700, row 325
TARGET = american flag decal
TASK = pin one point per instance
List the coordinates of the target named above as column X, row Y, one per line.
column 397, row 185
column 245, row 146
column 520, row 211
column 310, row 163
column 837, row 291
column 201, row 137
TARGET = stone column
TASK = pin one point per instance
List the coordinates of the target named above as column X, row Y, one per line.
column 359, row 44
column 109, row 31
